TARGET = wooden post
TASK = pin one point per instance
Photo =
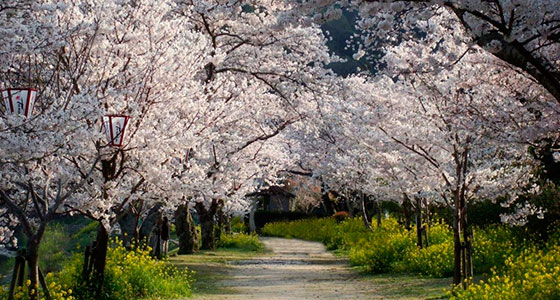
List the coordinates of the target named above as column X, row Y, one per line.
column 15, row 276
column 21, row 273
column 85, row 267
column 44, row 284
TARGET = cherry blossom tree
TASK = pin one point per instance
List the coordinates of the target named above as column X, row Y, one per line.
column 88, row 60
column 258, row 83
column 37, row 172
column 523, row 33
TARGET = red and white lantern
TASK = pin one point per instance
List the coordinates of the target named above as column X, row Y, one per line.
column 115, row 126
column 19, row 101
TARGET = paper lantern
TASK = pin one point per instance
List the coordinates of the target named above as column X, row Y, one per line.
column 19, row 101
column 115, row 126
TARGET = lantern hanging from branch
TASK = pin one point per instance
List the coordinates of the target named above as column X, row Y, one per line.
column 115, row 126
column 19, row 101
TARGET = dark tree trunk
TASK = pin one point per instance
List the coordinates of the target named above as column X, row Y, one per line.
column 186, row 231
column 365, row 216
column 149, row 223
column 407, row 212
column 99, row 258
column 32, row 257
column 326, row 200
column 128, row 223
column 220, row 222
column 227, row 225
column 206, row 219
column 377, row 209
column 457, row 278
column 419, row 222
column 207, row 232
column 466, row 244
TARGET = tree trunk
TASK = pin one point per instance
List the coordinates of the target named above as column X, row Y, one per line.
column 207, row 232
column 326, row 200
column 407, row 214
column 206, row 219
column 32, row 257
column 227, row 223
column 377, row 208
column 149, row 223
column 186, row 231
column 456, row 242
column 128, row 224
column 99, row 258
column 467, row 244
column 220, row 222
column 365, row 216
column 419, row 222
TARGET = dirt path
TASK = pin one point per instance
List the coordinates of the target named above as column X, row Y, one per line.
column 294, row 269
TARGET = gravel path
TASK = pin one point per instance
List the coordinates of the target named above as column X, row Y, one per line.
column 294, row 269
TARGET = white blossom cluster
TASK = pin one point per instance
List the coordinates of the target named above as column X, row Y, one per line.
column 210, row 88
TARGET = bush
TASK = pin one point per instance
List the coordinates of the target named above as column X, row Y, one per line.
column 264, row 217
column 241, row 241
column 383, row 248
column 56, row 290
column 435, row 260
column 534, row 274
column 129, row 275
column 320, row 230
column 237, row 225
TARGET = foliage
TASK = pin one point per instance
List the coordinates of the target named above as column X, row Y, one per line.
column 264, row 217
column 532, row 275
column 322, row 229
column 238, row 225
column 130, row 275
column 242, row 241
column 56, row 290
column 52, row 253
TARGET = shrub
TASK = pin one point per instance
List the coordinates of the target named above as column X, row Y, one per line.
column 534, row 274
column 264, row 217
column 322, row 229
column 242, row 241
column 56, row 290
column 344, row 235
column 383, row 248
column 130, row 275
column 435, row 260
column 238, row 225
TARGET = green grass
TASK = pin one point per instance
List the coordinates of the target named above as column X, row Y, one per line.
column 404, row 286
column 210, row 267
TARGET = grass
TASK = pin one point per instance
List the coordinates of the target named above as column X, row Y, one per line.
column 210, row 267
column 405, row 287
